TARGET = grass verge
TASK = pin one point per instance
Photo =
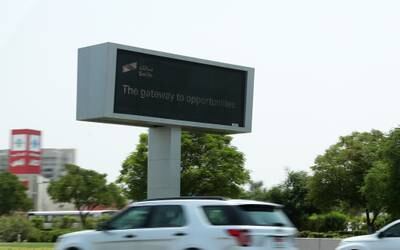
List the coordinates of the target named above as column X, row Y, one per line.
column 26, row 246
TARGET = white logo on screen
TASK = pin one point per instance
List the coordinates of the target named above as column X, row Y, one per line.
column 129, row 67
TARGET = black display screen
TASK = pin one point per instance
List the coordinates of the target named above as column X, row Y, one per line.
column 155, row 86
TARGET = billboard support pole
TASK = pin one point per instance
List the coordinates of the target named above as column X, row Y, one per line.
column 164, row 162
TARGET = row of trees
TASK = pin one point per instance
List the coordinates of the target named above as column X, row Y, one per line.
column 85, row 189
column 210, row 166
column 360, row 173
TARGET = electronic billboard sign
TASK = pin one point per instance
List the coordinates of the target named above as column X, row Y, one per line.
column 127, row 85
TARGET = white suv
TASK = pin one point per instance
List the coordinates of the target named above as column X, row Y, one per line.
column 387, row 238
column 189, row 223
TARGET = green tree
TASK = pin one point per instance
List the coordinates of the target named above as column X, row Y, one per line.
column 293, row 194
column 297, row 203
column 116, row 195
column 391, row 153
column 210, row 166
column 339, row 174
column 375, row 190
column 256, row 191
column 133, row 175
column 12, row 194
column 86, row 189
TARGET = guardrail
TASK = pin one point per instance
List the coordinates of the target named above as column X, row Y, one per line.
column 317, row 243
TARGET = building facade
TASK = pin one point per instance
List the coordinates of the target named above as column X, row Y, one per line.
column 35, row 166
column 52, row 161
column 52, row 167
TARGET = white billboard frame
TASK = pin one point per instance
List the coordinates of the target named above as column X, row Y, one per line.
column 96, row 90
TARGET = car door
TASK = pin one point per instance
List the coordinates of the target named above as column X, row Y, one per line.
column 166, row 229
column 389, row 239
column 125, row 231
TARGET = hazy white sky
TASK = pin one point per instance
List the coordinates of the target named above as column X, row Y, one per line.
column 322, row 70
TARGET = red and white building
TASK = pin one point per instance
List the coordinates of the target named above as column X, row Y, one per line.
column 35, row 166
column 24, row 156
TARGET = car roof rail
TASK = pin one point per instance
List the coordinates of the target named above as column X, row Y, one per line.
column 189, row 198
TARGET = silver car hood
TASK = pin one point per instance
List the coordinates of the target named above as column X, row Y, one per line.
column 363, row 238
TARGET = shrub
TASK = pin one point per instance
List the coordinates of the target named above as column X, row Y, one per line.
column 332, row 221
column 65, row 222
column 37, row 222
column 315, row 223
column 14, row 228
column 383, row 220
column 338, row 234
column 101, row 220
column 335, row 221
column 90, row 223
column 37, row 235
column 19, row 228
column 356, row 223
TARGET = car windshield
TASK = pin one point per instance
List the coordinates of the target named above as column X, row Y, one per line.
column 266, row 215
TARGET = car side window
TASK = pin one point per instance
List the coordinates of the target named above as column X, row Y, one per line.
column 225, row 215
column 134, row 217
column 393, row 231
column 167, row 216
